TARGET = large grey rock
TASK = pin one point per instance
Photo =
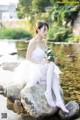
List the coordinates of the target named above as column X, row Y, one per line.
column 13, row 92
column 73, row 108
column 7, row 69
column 34, row 101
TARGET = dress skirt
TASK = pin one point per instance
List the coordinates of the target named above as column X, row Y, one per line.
column 28, row 73
column 31, row 73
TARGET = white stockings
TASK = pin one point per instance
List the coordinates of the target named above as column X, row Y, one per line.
column 53, row 84
column 48, row 93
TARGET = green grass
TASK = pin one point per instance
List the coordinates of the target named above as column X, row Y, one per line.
column 14, row 33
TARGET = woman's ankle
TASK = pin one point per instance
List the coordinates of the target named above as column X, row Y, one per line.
column 62, row 107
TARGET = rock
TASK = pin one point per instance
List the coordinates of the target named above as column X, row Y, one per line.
column 1, row 89
column 18, row 108
column 35, row 103
column 77, row 119
column 9, row 65
column 73, row 108
column 13, row 93
column 1, row 92
column 6, row 69
column 9, row 104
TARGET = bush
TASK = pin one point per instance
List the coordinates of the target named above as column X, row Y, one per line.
column 74, row 38
column 58, row 33
column 12, row 33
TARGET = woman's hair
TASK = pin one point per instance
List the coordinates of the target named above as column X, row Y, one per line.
column 40, row 25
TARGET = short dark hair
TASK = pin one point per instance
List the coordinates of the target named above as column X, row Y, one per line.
column 40, row 25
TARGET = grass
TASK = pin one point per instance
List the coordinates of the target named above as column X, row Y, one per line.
column 14, row 33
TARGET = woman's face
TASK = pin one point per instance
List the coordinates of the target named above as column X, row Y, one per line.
column 43, row 31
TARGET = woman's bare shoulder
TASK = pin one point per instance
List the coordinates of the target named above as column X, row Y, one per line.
column 32, row 41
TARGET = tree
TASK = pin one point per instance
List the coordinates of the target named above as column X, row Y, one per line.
column 56, row 12
column 31, row 7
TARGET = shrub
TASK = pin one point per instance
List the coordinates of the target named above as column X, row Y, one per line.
column 58, row 33
column 12, row 33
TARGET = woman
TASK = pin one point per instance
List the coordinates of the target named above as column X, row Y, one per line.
column 41, row 69
column 36, row 68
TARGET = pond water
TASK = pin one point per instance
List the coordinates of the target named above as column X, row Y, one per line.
column 12, row 50
column 68, row 55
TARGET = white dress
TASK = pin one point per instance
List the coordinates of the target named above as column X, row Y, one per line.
column 28, row 72
column 31, row 73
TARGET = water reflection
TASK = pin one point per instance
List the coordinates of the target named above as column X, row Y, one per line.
column 21, row 48
column 7, row 47
column 11, row 51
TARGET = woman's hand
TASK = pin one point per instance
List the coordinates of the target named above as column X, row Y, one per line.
column 44, row 61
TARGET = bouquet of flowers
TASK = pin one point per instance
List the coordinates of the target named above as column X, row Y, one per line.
column 49, row 54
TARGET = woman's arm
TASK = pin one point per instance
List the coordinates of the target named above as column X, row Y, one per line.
column 30, row 49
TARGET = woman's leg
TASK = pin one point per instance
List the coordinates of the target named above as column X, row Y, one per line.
column 48, row 93
column 56, row 90
column 32, row 80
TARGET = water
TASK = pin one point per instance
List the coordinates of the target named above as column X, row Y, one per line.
column 11, row 51
column 3, row 109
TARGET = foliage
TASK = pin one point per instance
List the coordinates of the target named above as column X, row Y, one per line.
column 24, row 6
column 34, row 10
column 61, row 14
column 20, row 14
column 12, row 33
column 30, row 7
column 59, row 33
column 63, row 17
column 74, row 38
column 65, row 13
